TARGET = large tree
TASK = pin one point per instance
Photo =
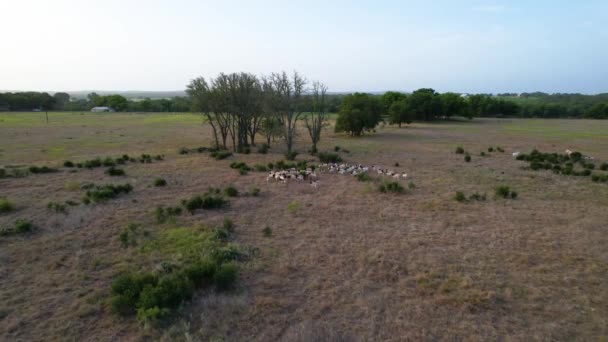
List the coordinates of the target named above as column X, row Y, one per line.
column 425, row 104
column 289, row 92
column 359, row 112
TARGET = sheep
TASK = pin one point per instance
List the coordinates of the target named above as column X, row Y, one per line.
column 515, row 154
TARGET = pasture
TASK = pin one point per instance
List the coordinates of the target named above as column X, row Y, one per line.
column 338, row 261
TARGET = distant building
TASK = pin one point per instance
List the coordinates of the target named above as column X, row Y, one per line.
column 102, row 109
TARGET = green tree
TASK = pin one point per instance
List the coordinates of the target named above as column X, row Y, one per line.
column 425, row 103
column 453, row 104
column 399, row 112
column 359, row 112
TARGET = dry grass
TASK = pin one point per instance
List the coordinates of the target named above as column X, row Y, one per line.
column 346, row 263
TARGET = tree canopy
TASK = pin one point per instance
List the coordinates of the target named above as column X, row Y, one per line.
column 359, row 113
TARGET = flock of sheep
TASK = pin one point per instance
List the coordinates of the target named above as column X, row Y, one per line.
column 311, row 176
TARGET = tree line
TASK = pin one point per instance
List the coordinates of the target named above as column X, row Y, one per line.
column 239, row 106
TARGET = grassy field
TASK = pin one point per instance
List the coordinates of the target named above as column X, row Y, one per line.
column 343, row 261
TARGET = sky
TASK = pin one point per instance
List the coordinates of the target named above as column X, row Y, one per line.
column 464, row 46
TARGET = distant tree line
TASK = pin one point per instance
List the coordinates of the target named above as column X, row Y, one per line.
column 28, row 101
column 422, row 104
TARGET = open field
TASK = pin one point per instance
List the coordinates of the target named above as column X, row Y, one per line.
column 343, row 262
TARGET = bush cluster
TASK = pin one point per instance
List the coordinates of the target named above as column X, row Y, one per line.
column 128, row 236
column 100, row 193
column 364, row 177
column 6, row 206
column 219, row 155
column 13, row 173
column 114, row 171
column 159, row 182
column 263, row 148
column 58, row 208
column 599, row 178
column 329, row 157
column 231, row 191
column 467, row 158
column 283, row 165
column 560, row 163
column 291, row 155
column 201, row 149
column 461, row 197
column 241, row 166
column 459, row 150
column 41, row 169
column 210, row 200
column 164, row 214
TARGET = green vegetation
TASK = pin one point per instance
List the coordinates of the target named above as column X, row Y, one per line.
column 267, row 231
column 165, row 214
column 391, row 187
column 364, row 177
column 6, row 206
column 328, row 157
column 459, row 150
column 160, row 182
column 359, row 113
column 41, row 169
column 231, row 191
column 100, row 193
column 210, row 200
column 21, row 226
column 219, row 155
column 57, row 207
column 467, row 158
column 113, row 171
column 504, row 191
column 460, row 197
column 263, row 148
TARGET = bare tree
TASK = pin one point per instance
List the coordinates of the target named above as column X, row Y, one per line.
column 289, row 91
column 199, row 93
column 318, row 117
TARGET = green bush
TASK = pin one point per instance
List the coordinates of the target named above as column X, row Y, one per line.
column 6, row 206
column 329, row 157
column 41, row 169
column 267, row 231
column 263, row 148
column 467, row 158
column 128, row 236
column 113, row 171
column 255, row 192
column 504, row 191
column 102, row 193
column 231, row 191
column 228, row 225
column 183, row 150
column 477, row 197
column 483, row 154
column 291, row 155
column 219, row 155
column 336, row 148
column 364, row 177
column 21, row 226
column 159, row 182
column 260, row 168
column 293, row 206
column 392, row 187
column 460, row 197
column 68, row 163
column 490, row 149
column 164, row 214
column 500, row 149
column 459, row 150
column 207, row 201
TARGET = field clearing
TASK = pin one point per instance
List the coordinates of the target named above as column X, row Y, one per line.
column 344, row 260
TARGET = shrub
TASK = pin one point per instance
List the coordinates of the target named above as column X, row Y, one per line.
column 328, row 157
column 228, row 225
column 41, row 169
column 467, row 158
column 255, row 192
column 6, row 206
column 267, row 231
column 477, row 197
column 293, row 206
column 159, row 182
column 128, row 235
column 57, row 207
column 108, row 191
column 126, row 290
column 231, row 191
column 68, row 163
column 21, row 226
column 490, row 149
column 396, row 164
column 604, row 167
column 336, row 148
column 364, row 177
column 225, row 277
column 219, row 155
column 108, row 162
column 93, row 163
column 459, row 150
column 263, row 148
column 483, row 154
column 207, row 201
column 112, row 171
column 589, row 166
column 504, row 191
column 411, row 185
column 183, row 150
column 393, row 187
column 500, row 149
column 460, row 197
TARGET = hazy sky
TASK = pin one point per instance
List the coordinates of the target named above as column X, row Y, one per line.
column 464, row 46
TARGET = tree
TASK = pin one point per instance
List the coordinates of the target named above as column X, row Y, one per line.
column 199, row 93
column 289, row 92
column 271, row 128
column 425, row 104
column 318, row 117
column 399, row 112
column 389, row 98
column 452, row 104
column 359, row 112
column 61, row 99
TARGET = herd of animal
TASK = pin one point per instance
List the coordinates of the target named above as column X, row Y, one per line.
column 310, row 174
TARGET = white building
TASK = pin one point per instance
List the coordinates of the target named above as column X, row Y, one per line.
column 102, row 109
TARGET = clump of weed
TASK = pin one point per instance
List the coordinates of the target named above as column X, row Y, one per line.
column 477, row 197
column 21, row 226
column 336, row 148
column 225, row 277
column 267, row 231
column 231, row 191
column 260, row 168
column 68, row 163
column 411, row 185
column 293, row 206
column 490, row 149
column 329, row 157
column 467, row 158
column 115, row 172
column 183, row 150
column 460, row 196
column 504, row 191
column 459, row 150
column 396, row 164
column 41, row 169
column 219, row 155
column 164, row 214
column 603, row 178
column 57, row 207
column 255, row 192
column 291, row 155
column 500, row 149
column 209, row 200
column 364, row 177
column 160, row 182
column 6, row 206
column 263, row 148
column 102, row 193
column 604, row 167
column 391, row 187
